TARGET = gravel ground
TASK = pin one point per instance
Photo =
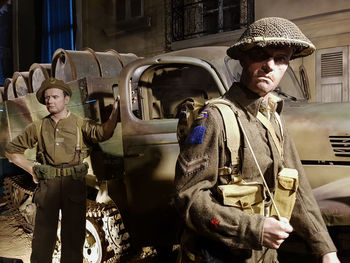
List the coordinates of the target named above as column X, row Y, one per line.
column 14, row 242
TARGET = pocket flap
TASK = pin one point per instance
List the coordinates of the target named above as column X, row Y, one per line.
column 241, row 195
column 288, row 183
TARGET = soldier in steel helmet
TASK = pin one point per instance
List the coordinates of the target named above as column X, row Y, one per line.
column 232, row 232
column 63, row 140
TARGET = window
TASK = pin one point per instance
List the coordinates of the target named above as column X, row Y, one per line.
column 161, row 89
column 195, row 18
column 129, row 9
column 58, row 27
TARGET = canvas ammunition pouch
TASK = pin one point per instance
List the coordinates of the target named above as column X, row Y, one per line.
column 45, row 172
column 285, row 192
column 248, row 197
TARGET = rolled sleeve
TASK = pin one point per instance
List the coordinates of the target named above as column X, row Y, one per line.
column 24, row 141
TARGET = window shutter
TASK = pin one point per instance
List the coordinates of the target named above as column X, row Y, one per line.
column 332, row 64
column 332, row 75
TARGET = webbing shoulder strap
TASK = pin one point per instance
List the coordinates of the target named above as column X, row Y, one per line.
column 232, row 132
column 272, row 132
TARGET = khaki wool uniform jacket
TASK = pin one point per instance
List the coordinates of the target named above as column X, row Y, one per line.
column 196, row 180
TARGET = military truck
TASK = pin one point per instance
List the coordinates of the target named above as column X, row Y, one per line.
column 135, row 168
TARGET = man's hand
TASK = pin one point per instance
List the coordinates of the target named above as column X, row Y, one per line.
column 19, row 160
column 114, row 118
column 275, row 232
column 330, row 258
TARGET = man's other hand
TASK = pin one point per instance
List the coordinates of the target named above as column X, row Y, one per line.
column 330, row 258
column 275, row 232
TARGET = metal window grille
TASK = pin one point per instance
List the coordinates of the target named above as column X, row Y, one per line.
column 195, row 18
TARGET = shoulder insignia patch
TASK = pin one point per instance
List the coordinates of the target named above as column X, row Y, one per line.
column 197, row 135
column 202, row 115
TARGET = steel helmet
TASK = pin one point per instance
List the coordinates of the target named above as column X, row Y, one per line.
column 272, row 31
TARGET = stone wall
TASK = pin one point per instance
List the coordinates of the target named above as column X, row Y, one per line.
column 100, row 31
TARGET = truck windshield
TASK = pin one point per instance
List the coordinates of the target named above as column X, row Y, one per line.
column 289, row 87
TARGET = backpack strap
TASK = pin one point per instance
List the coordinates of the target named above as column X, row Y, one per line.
column 232, row 132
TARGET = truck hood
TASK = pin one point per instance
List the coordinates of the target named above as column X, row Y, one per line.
column 321, row 132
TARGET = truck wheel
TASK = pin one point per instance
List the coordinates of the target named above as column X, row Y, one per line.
column 115, row 232
column 93, row 246
column 113, row 235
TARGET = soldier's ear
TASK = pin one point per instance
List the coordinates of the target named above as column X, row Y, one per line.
column 66, row 99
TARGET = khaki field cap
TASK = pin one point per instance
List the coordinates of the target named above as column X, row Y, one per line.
column 272, row 31
column 51, row 83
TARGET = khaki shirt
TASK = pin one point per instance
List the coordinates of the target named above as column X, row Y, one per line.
column 196, row 182
column 59, row 139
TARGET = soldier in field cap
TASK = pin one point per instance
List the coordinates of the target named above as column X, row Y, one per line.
column 63, row 141
column 226, row 199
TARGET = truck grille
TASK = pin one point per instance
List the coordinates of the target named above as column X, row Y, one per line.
column 340, row 145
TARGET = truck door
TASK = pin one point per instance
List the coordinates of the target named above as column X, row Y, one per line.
column 150, row 90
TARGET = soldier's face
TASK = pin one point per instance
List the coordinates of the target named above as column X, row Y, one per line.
column 55, row 100
column 263, row 68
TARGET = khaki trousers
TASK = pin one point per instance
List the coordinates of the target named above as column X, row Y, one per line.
column 69, row 196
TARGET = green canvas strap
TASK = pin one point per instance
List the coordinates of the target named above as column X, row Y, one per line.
column 233, row 138
column 232, row 131
column 272, row 132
